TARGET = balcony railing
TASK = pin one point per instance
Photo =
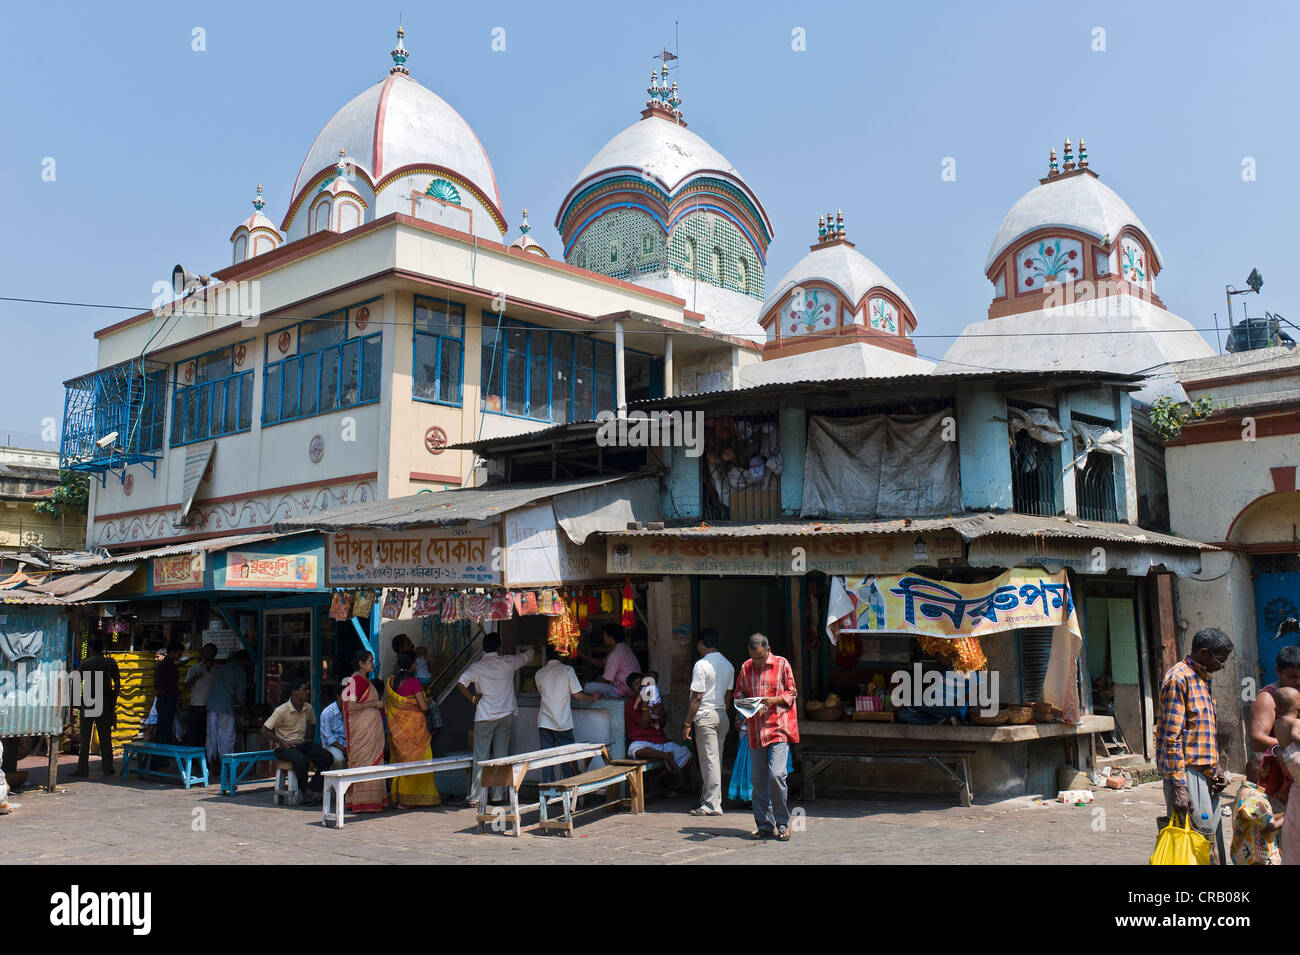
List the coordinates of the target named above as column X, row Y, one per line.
column 1033, row 477
column 212, row 409
column 114, row 417
column 1094, row 488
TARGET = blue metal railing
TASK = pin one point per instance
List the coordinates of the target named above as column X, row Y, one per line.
column 130, row 400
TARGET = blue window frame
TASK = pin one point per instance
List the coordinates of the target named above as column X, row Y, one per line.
column 438, row 359
column 334, row 368
column 548, row 375
column 211, row 398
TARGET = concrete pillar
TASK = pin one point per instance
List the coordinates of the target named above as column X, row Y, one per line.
column 668, row 365
column 985, row 461
column 620, row 376
column 793, row 423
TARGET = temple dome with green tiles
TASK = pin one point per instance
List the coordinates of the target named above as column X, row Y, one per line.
column 661, row 207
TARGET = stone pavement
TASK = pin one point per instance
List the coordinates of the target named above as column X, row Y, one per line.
column 108, row 820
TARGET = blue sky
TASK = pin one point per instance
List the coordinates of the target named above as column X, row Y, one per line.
column 159, row 148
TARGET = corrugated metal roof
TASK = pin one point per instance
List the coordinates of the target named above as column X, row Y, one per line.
column 84, row 584
column 207, row 545
column 878, row 385
column 967, row 526
column 572, row 429
column 441, row 508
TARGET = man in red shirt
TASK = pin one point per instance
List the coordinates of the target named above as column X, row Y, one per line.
column 768, row 678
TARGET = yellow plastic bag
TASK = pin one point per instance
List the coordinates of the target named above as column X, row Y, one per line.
column 1181, row 845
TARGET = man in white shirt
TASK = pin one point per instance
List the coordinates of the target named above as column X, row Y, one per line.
column 199, row 680
column 558, row 685
column 494, row 705
column 712, row 681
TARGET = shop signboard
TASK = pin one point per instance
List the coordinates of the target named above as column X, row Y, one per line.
column 913, row 604
column 459, row 556
column 178, row 572
column 197, row 457
column 833, row 554
column 539, row 552
column 258, row 571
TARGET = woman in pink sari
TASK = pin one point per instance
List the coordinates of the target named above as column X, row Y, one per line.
column 363, row 718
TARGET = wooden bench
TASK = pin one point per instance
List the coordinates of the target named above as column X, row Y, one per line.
column 337, row 781
column 509, row 771
column 954, row 763
column 235, row 768
column 567, row 791
column 140, row 753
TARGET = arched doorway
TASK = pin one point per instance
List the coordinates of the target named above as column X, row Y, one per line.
column 1269, row 530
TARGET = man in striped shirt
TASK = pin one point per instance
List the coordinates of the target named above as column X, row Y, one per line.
column 1187, row 750
column 767, row 677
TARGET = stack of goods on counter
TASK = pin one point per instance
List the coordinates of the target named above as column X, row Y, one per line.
column 136, row 669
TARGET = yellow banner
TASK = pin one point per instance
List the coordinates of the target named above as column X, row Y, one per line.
column 912, row 604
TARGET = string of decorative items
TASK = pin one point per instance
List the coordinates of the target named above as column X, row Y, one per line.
column 569, row 608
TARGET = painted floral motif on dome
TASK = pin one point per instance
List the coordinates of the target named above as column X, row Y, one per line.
column 442, row 189
column 1049, row 260
column 810, row 311
column 1133, row 261
column 884, row 315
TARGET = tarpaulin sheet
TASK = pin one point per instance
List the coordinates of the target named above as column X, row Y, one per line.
column 608, row 508
column 881, row 466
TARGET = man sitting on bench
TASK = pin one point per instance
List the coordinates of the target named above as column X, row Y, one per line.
column 288, row 729
column 643, row 722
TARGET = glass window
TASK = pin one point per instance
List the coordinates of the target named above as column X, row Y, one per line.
column 539, row 376
column 329, row 381
column 213, row 366
column 604, row 392
column 313, row 336
column 310, row 383
column 351, row 370
column 246, row 400
column 449, row 379
column 516, row 380
column 439, row 352
column 271, row 394
column 290, row 387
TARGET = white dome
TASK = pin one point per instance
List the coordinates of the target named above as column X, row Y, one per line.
column 1073, row 201
column 842, row 266
column 398, row 123
column 666, row 151
column 257, row 221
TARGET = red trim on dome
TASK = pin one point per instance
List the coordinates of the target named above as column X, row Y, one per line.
column 377, row 153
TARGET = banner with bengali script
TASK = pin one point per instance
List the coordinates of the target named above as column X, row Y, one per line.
column 424, row 558
column 912, row 604
column 272, row 571
column 178, row 572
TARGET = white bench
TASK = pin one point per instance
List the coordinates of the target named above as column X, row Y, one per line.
column 337, row 781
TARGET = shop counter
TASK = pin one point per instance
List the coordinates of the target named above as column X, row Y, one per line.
column 1007, row 760
column 600, row 721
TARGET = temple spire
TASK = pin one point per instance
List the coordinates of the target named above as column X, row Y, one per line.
column 399, row 54
column 258, row 202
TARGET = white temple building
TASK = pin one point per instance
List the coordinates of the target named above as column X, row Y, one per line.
column 1074, row 277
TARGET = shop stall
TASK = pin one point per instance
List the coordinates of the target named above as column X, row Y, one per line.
column 948, row 636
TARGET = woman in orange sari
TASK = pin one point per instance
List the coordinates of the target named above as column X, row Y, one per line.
column 364, row 721
column 408, row 734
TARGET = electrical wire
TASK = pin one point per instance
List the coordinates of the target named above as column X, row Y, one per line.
column 179, row 312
